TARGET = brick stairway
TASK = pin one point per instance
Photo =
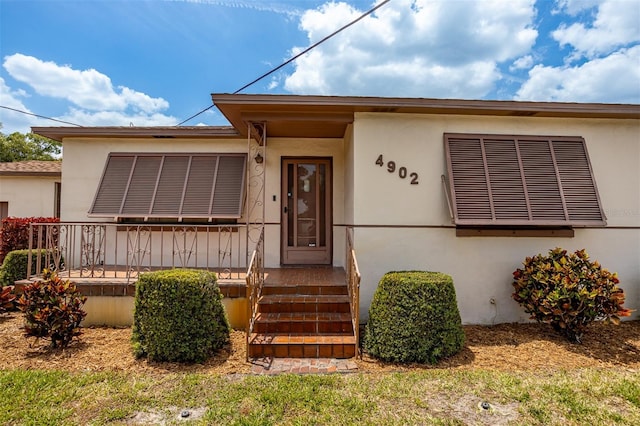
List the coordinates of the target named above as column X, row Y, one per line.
column 304, row 313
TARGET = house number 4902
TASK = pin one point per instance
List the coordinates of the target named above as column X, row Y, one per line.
column 402, row 171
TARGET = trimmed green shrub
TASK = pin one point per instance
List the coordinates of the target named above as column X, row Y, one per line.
column 16, row 263
column 178, row 316
column 414, row 317
column 568, row 292
column 52, row 309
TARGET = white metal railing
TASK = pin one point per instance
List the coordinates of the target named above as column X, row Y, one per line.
column 109, row 250
column 353, row 284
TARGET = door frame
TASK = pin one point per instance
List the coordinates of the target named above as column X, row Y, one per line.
column 286, row 260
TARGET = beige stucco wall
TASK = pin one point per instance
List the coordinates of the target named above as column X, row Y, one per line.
column 402, row 226
column 84, row 162
column 29, row 196
column 117, row 311
column 409, row 226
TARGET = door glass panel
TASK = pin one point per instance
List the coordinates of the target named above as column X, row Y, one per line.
column 322, row 204
column 290, row 203
column 306, row 206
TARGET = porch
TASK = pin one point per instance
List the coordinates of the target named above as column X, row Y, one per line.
column 304, row 311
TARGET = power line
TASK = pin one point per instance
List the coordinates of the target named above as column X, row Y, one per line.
column 195, row 115
column 39, row 116
column 287, row 62
column 364, row 15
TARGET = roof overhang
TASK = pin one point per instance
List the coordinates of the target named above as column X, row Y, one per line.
column 158, row 132
column 328, row 116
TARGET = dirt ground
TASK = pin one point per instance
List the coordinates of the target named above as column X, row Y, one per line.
column 510, row 347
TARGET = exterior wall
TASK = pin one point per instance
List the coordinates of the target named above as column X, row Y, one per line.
column 84, row 161
column 117, row 311
column 400, row 226
column 29, row 196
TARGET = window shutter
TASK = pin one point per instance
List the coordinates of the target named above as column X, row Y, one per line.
column 521, row 180
column 227, row 199
column 138, row 196
column 171, row 186
column 197, row 198
column 113, row 185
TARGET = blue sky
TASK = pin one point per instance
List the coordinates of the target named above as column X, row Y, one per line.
column 139, row 62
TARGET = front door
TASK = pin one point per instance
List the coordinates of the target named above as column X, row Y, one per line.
column 306, row 211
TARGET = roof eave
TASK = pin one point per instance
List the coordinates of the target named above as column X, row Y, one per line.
column 431, row 106
column 199, row 132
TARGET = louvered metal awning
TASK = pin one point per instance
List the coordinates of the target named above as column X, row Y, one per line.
column 177, row 186
column 521, row 180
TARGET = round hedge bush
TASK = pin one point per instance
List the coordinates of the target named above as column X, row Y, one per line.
column 178, row 316
column 414, row 317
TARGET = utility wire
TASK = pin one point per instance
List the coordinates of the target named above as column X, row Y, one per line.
column 39, row 116
column 313, row 46
column 195, row 115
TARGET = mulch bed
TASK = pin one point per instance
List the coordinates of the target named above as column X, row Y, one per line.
column 506, row 347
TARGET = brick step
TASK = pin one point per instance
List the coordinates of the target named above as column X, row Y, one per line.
column 303, row 303
column 306, row 289
column 316, row 322
column 301, row 345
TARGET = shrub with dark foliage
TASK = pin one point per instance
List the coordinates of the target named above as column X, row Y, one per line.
column 52, row 310
column 6, row 298
column 178, row 316
column 414, row 317
column 14, row 234
column 568, row 291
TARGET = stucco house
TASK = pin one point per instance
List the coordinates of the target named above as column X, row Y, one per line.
column 30, row 189
column 465, row 187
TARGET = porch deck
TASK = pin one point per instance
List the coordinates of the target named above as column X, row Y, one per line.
column 284, row 276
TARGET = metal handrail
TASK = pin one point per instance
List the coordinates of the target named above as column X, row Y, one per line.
column 353, row 284
column 124, row 251
column 255, row 281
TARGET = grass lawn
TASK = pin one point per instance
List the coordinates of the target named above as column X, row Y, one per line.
column 443, row 397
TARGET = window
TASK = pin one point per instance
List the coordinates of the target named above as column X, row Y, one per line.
column 497, row 180
column 4, row 211
column 57, row 190
column 180, row 186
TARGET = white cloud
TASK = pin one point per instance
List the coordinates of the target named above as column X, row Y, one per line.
column 613, row 79
column 413, row 48
column 616, row 23
column 13, row 121
column 521, row 63
column 116, row 118
column 94, row 101
column 573, row 7
column 87, row 89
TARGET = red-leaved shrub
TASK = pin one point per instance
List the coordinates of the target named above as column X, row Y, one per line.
column 568, row 291
column 52, row 309
column 6, row 298
column 14, row 234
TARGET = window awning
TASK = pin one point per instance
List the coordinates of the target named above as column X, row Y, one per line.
column 171, row 186
column 521, row 180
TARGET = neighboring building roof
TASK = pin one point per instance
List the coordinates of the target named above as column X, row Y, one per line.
column 31, row 168
column 329, row 116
